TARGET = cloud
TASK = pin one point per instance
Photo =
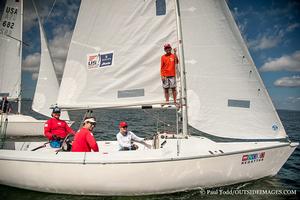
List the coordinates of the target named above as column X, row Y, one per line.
column 264, row 42
column 293, row 81
column 59, row 47
column 30, row 17
column 283, row 16
column 293, row 26
column 31, row 63
column 286, row 62
column 34, row 76
column 58, row 19
column 272, row 37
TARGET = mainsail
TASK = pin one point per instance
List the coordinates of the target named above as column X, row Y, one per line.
column 226, row 96
column 114, row 56
column 11, row 41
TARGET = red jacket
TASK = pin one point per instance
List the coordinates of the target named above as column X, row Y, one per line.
column 84, row 141
column 57, row 127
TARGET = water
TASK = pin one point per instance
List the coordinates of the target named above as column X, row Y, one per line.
column 144, row 124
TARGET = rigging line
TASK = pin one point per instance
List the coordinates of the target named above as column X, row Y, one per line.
column 17, row 40
column 50, row 11
column 154, row 117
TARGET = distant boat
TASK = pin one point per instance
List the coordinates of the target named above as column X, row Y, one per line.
column 10, row 66
column 11, row 55
column 113, row 61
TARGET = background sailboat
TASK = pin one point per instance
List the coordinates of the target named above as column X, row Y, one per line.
column 47, row 87
column 10, row 70
column 47, row 84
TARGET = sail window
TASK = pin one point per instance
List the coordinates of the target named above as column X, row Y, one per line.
column 238, row 103
column 131, row 93
column 4, row 94
column 160, row 7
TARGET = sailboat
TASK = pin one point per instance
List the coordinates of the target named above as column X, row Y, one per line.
column 11, row 56
column 113, row 61
column 10, row 71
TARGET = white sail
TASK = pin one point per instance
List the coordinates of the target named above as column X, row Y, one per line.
column 47, row 87
column 10, row 58
column 114, row 56
column 226, row 96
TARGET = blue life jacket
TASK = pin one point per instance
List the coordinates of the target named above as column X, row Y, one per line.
column 55, row 143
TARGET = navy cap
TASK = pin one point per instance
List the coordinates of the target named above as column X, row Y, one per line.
column 56, row 110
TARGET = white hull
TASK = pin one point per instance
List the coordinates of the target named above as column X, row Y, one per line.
column 155, row 171
column 24, row 125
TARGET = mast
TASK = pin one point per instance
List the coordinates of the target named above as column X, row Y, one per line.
column 182, row 71
column 20, row 49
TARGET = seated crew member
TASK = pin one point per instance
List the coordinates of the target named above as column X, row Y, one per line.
column 126, row 138
column 56, row 129
column 84, row 140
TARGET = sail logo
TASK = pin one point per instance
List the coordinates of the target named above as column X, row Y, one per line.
column 98, row 60
column 106, row 59
column 92, row 61
column 252, row 158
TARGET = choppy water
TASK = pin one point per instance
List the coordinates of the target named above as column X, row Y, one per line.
column 144, row 123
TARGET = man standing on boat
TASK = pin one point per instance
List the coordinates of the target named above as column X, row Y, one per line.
column 5, row 105
column 84, row 140
column 168, row 72
column 126, row 138
column 56, row 129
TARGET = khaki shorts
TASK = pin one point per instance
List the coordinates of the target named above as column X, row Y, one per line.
column 169, row 82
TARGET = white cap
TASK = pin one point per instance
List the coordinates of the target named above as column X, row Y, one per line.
column 92, row 120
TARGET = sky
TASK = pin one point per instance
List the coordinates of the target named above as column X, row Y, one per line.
column 270, row 28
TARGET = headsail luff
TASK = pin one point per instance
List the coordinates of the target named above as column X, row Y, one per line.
column 10, row 40
column 130, row 40
column 225, row 93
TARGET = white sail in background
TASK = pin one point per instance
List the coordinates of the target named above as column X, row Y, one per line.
column 47, row 87
column 226, row 96
column 10, row 58
column 114, row 55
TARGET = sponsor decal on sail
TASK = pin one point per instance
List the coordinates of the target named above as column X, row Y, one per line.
column 106, row 59
column 99, row 60
column 252, row 158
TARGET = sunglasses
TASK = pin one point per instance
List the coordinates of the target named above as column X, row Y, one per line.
column 93, row 123
column 124, row 127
